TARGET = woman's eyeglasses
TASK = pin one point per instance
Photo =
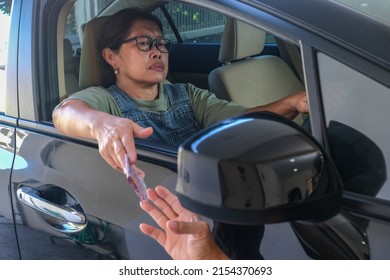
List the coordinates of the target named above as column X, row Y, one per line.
column 145, row 43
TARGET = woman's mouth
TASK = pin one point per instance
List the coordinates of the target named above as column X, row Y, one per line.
column 158, row 66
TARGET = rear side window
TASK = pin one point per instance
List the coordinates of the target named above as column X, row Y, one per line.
column 82, row 12
column 78, row 15
column 195, row 24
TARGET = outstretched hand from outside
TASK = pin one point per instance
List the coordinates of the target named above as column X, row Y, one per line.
column 182, row 233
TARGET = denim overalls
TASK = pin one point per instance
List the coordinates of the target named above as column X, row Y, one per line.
column 171, row 127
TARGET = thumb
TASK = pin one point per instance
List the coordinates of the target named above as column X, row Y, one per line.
column 141, row 132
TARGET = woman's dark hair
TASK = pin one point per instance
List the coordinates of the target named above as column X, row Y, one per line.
column 116, row 31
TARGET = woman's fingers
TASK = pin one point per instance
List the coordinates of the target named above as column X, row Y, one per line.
column 128, row 139
column 111, row 149
column 141, row 132
column 116, row 139
column 111, row 161
column 139, row 171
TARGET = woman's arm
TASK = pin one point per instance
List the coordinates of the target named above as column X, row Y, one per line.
column 288, row 107
column 115, row 135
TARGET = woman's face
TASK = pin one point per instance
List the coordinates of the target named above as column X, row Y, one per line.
column 145, row 67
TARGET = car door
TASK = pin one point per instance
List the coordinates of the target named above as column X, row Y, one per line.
column 355, row 109
column 68, row 203
column 348, row 89
column 8, row 241
column 8, row 146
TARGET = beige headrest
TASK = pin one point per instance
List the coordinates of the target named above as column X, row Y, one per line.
column 240, row 40
column 91, row 73
column 68, row 55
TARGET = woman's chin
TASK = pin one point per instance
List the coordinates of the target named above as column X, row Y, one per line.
column 158, row 79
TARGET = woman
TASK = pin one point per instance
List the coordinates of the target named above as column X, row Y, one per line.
column 136, row 100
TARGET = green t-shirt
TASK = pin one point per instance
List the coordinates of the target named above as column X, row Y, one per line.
column 208, row 109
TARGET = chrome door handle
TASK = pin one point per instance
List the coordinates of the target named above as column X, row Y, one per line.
column 64, row 218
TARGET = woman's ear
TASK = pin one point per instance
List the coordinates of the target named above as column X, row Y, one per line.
column 110, row 57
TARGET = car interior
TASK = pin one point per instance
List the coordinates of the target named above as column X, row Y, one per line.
column 244, row 74
column 245, row 77
column 71, row 68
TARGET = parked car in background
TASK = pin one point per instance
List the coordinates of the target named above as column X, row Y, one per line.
column 60, row 200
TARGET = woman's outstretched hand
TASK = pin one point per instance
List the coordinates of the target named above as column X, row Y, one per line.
column 182, row 233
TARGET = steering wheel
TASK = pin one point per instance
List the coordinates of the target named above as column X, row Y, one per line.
column 306, row 125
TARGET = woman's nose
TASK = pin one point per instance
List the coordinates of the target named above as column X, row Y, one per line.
column 155, row 53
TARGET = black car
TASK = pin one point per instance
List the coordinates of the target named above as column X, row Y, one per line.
column 61, row 200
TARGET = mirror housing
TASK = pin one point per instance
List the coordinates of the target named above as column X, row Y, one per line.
column 257, row 168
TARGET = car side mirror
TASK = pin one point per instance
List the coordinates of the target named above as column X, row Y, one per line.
column 256, row 169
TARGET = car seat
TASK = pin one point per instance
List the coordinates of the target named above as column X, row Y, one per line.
column 91, row 72
column 246, row 77
column 71, row 65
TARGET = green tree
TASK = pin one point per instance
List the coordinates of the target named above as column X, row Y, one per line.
column 5, row 6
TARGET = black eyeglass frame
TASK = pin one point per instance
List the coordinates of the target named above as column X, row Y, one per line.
column 152, row 43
